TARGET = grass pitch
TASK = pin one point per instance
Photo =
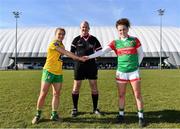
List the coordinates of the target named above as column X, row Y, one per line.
column 19, row 91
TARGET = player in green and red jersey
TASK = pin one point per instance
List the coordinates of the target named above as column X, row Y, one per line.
column 129, row 56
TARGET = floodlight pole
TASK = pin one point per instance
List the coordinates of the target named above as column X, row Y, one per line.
column 16, row 15
column 161, row 13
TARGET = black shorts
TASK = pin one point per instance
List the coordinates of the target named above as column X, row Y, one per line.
column 86, row 70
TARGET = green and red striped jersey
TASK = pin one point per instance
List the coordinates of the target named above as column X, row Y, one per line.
column 126, row 51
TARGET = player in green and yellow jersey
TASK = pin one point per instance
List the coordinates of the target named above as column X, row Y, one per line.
column 129, row 56
column 52, row 74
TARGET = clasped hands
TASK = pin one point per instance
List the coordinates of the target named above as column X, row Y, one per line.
column 83, row 58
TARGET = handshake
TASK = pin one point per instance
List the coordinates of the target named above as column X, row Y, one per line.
column 83, row 58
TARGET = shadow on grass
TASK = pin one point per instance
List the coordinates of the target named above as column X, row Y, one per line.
column 44, row 120
column 106, row 117
column 164, row 116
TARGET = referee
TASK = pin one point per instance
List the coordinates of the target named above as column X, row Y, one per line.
column 84, row 45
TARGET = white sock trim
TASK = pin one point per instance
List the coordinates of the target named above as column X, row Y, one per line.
column 121, row 113
column 140, row 115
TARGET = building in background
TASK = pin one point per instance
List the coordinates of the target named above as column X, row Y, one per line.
column 33, row 42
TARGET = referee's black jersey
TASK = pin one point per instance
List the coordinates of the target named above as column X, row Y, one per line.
column 84, row 46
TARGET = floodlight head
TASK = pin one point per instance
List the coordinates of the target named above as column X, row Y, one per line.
column 16, row 14
column 161, row 11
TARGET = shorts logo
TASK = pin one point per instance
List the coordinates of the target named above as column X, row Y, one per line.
column 48, row 77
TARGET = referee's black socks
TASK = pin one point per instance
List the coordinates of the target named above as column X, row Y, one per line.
column 95, row 100
column 75, row 98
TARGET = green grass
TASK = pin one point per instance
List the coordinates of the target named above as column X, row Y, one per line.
column 19, row 91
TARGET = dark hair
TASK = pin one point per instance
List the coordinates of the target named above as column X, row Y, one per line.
column 61, row 29
column 123, row 21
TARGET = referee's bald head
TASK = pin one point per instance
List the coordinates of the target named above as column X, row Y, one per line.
column 84, row 23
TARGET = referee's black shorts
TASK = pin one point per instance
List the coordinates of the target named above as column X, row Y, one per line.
column 85, row 70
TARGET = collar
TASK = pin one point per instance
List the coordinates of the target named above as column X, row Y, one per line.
column 123, row 39
column 85, row 37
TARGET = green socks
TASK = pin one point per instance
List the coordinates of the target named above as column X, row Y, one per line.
column 54, row 113
column 38, row 113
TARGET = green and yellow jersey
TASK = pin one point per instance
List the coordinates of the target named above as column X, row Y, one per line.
column 53, row 61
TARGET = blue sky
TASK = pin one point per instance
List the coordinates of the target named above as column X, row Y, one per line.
column 52, row 13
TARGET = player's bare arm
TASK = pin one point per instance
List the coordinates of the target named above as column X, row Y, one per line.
column 69, row 54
